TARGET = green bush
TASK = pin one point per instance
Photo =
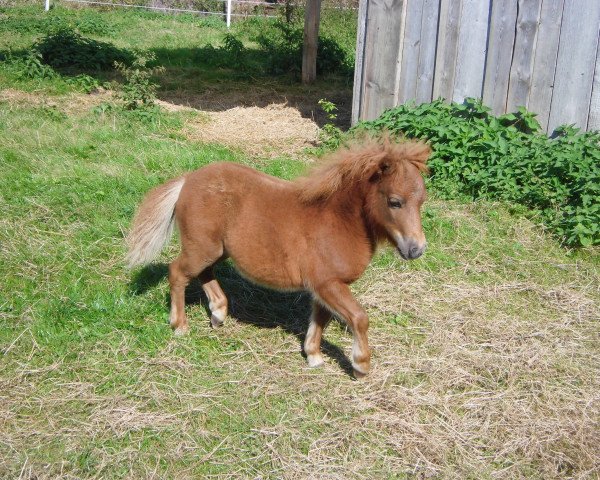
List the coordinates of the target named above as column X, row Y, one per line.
column 30, row 66
column 139, row 91
column 65, row 48
column 508, row 158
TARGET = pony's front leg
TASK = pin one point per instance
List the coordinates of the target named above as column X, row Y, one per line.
column 338, row 298
column 312, row 344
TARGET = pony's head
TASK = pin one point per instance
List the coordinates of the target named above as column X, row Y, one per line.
column 396, row 195
column 388, row 178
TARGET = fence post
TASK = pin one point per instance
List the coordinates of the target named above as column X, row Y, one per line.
column 47, row 5
column 311, row 40
column 228, row 13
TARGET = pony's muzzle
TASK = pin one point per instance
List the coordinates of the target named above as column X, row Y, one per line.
column 410, row 249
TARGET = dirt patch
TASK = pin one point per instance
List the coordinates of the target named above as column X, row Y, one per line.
column 269, row 131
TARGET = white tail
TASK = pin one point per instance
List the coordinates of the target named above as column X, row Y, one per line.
column 153, row 223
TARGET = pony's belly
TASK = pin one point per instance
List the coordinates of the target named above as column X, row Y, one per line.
column 269, row 266
column 268, row 275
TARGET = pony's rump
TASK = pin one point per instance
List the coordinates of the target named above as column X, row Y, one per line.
column 153, row 223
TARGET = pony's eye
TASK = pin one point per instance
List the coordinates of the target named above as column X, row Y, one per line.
column 394, row 203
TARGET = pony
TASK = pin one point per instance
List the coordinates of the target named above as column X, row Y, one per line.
column 316, row 233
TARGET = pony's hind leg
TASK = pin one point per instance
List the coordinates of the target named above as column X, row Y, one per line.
column 319, row 319
column 181, row 271
column 217, row 301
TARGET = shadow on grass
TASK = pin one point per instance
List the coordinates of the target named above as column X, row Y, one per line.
column 248, row 303
column 213, row 79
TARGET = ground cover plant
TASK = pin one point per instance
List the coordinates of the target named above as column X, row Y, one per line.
column 485, row 352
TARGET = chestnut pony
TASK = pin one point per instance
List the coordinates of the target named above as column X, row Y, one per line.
column 317, row 233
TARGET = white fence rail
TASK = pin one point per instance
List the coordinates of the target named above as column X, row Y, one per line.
column 228, row 13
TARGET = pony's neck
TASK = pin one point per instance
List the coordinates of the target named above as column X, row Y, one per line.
column 352, row 207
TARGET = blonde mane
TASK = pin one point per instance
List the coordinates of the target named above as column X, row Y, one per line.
column 348, row 166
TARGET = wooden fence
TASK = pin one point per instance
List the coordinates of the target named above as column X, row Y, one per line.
column 540, row 54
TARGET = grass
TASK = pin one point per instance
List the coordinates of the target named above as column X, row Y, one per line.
column 193, row 75
column 485, row 351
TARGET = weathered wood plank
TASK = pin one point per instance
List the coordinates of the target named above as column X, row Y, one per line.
column 429, row 27
column 519, row 84
column 471, row 50
column 544, row 63
column 499, row 55
column 382, row 48
column 312, row 17
column 575, row 63
column 358, row 90
column 447, row 43
column 407, row 87
column 398, row 78
column 594, row 114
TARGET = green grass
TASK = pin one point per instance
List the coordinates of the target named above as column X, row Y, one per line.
column 191, row 71
column 485, row 352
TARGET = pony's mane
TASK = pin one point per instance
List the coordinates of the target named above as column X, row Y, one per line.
column 357, row 162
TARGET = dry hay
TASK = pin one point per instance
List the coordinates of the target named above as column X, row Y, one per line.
column 271, row 131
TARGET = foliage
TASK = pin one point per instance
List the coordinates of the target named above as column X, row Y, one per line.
column 84, row 83
column 65, row 48
column 282, row 47
column 508, row 158
column 87, row 22
column 138, row 91
column 234, row 47
column 231, row 54
column 330, row 134
column 30, row 66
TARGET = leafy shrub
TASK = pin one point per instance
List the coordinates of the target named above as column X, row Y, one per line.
column 330, row 134
column 508, row 158
column 231, row 54
column 66, row 48
column 138, row 92
column 84, row 83
column 233, row 47
column 30, row 66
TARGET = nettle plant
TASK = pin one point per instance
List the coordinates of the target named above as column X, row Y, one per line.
column 138, row 91
column 508, row 158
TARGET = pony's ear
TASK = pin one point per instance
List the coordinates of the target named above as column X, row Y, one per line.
column 382, row 168
column 416, row 153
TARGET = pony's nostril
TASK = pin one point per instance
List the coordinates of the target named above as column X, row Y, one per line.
column 415, row 252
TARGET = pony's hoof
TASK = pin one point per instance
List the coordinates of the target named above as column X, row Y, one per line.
column 181, row 331
column 315, row 361
column 215, row 322
column 359, row 374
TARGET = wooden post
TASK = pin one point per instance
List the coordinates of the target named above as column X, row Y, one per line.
column 311, row 38
column 47, row 5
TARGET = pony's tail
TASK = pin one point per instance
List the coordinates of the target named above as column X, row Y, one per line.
column 153, row 223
